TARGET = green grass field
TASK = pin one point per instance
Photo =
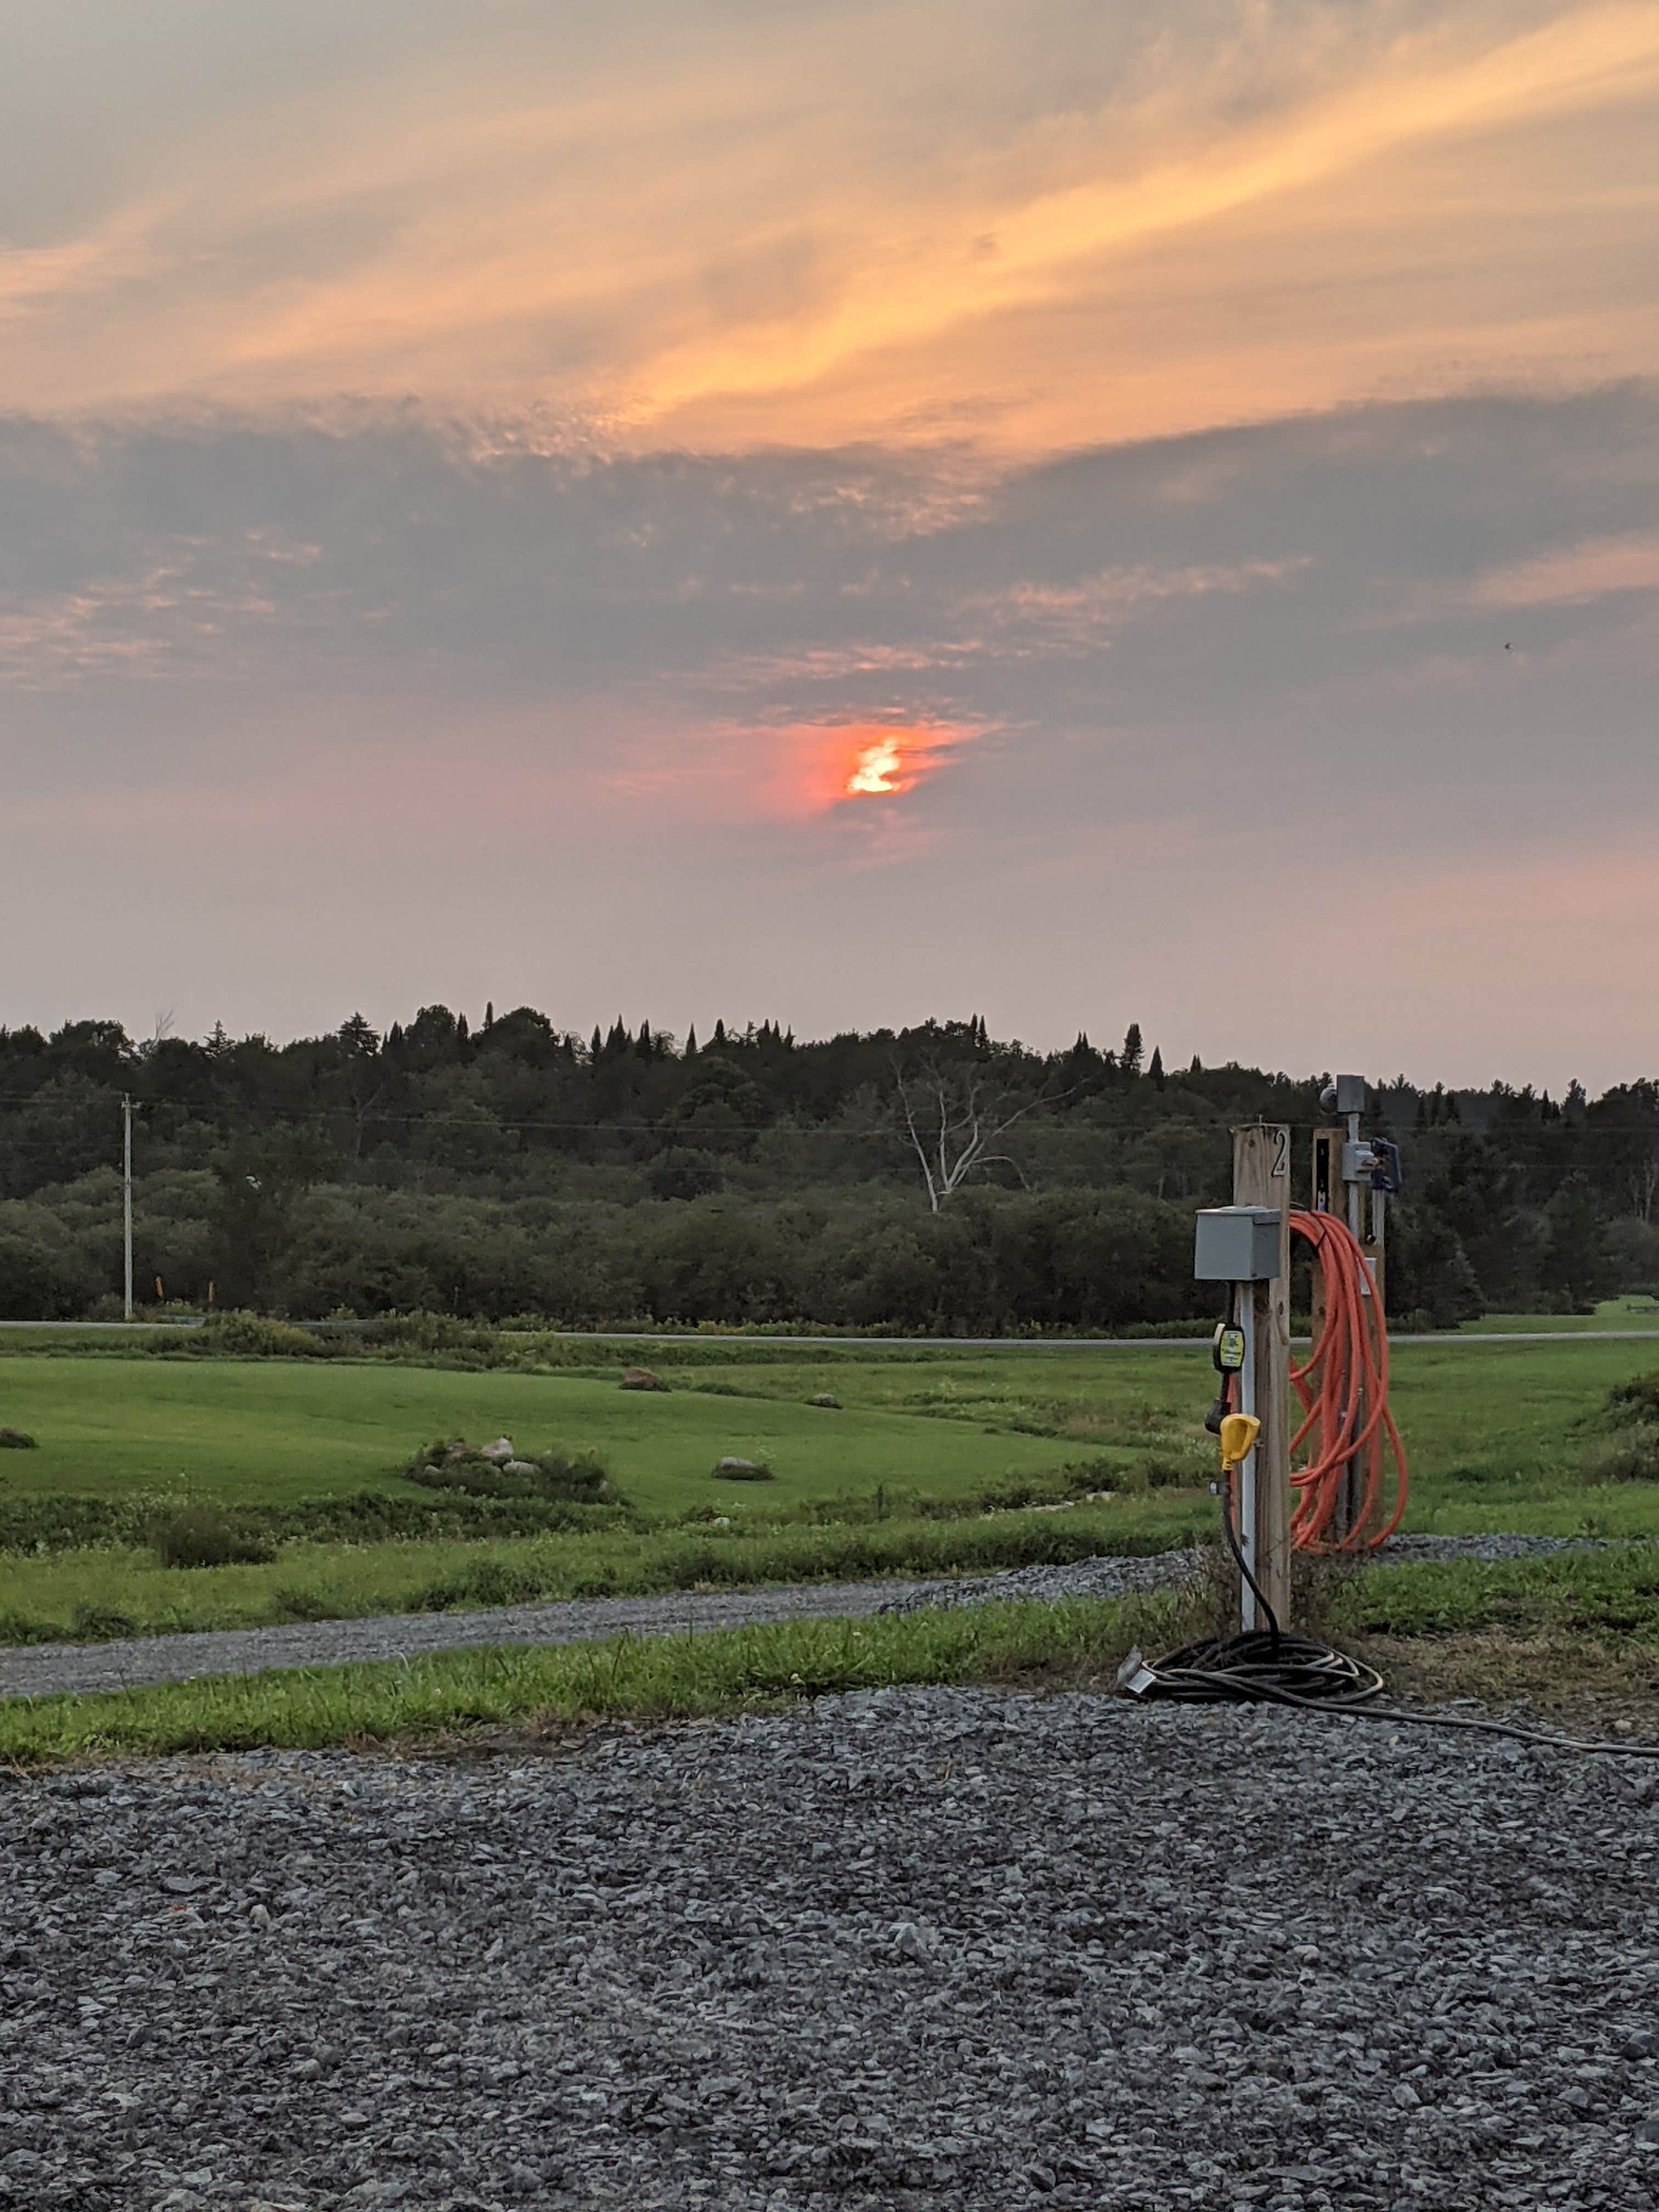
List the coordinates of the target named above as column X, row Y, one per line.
column 235, row 1432
column 1497, row 1435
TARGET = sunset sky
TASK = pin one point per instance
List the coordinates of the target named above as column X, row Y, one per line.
column 1073, row 511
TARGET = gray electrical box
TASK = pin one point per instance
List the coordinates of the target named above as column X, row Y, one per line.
column 1237, row 1244
column 1349, row 1094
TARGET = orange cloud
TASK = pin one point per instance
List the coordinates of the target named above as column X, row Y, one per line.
column 740, row 243
column 859, row 763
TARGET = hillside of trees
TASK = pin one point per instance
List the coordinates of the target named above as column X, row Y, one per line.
column 631, row 1177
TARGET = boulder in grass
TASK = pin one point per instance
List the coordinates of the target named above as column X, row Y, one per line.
column 745, row 1470
column 17, row 1440
column 501, row 1451
column 823, row 1398
column 641, row 1378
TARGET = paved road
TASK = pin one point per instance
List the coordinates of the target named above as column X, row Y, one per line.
column 931, row 1343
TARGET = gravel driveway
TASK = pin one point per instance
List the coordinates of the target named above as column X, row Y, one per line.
column 915, row 1948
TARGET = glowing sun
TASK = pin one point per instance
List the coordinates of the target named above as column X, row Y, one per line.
column 875, row 768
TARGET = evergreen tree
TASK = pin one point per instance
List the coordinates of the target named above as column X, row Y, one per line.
column 691, row 1042
column 1155, row 1069
column 1129, row 1060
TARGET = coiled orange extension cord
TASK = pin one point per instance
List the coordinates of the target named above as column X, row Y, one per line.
column 1343, row 1385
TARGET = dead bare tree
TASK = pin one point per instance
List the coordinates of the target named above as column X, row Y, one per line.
column 953, row 1121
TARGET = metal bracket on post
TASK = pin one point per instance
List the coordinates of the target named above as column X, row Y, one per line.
column 1350, row 1180
column 1248, row 1244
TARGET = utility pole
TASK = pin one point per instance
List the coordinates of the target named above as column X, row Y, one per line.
column 126, row 1197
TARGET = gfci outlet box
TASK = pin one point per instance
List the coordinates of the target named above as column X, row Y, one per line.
column 1237, row 1244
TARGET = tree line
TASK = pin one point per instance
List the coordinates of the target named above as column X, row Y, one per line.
column 931, row 1178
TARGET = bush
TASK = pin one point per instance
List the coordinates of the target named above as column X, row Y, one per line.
column 1635, row 1400
column 1631, row 1455
column 17, row 1440
column 453, row 1464
column 198, row 1536
column 250, row 1336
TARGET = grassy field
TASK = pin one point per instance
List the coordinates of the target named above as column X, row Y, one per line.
column 935, row 1462
column 235, row 1432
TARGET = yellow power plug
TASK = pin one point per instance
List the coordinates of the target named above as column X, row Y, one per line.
column 1238, row 1434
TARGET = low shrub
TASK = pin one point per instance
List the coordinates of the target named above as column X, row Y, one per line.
column 250, row 1336
column 100, row 1624
column 451, row 1464
column 201, row 1536
column 17, row 1440
column 1630, row 1455
column 1635, row 1401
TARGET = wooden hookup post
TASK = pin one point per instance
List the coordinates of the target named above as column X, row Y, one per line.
column 1261, row 1177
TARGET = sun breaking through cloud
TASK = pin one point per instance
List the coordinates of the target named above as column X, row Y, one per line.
column 876, row 769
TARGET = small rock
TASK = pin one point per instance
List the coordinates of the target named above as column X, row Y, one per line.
column 501, row 1451
column 641, row 1378
column 520, row 1467
column 823, row 1398
column 745, row 1470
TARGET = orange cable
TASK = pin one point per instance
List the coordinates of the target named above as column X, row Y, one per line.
column 1343, row 1385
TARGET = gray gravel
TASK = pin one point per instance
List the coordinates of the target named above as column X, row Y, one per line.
column 1114, row 1577
column 918, row 1948
column 36, row 1670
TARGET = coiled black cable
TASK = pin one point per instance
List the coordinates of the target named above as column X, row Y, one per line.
column 1272, row 1666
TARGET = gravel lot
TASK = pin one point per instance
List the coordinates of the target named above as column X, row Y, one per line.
column 939, row 1948
column 38, row 1670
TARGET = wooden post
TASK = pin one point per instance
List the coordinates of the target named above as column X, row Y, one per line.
column 1261, row 1177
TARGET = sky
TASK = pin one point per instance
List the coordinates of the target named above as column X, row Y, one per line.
column 839, row 514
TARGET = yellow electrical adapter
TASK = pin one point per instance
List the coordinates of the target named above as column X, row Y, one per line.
column 1238, row 1434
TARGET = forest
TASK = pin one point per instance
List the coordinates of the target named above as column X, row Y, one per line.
column 930, row 1180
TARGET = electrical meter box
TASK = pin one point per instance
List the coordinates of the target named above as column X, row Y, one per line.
column 1237, row 1244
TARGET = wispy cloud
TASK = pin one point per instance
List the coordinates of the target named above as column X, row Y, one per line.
column 1594, row 569
column 752, row 235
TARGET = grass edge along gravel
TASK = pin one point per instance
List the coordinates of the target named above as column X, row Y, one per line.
column 92, row 1596
column 717, row 1671
column 1605, row 1604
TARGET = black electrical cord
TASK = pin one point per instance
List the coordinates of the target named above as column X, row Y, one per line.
column 1272, row 1666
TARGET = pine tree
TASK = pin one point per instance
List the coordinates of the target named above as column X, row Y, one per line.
column 1129, row 1060
column 719, row 1038
column 691, row 1042
column 489, row 1014
column 595, row 1048
column 1156, row 1070
column 1197, row 1067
